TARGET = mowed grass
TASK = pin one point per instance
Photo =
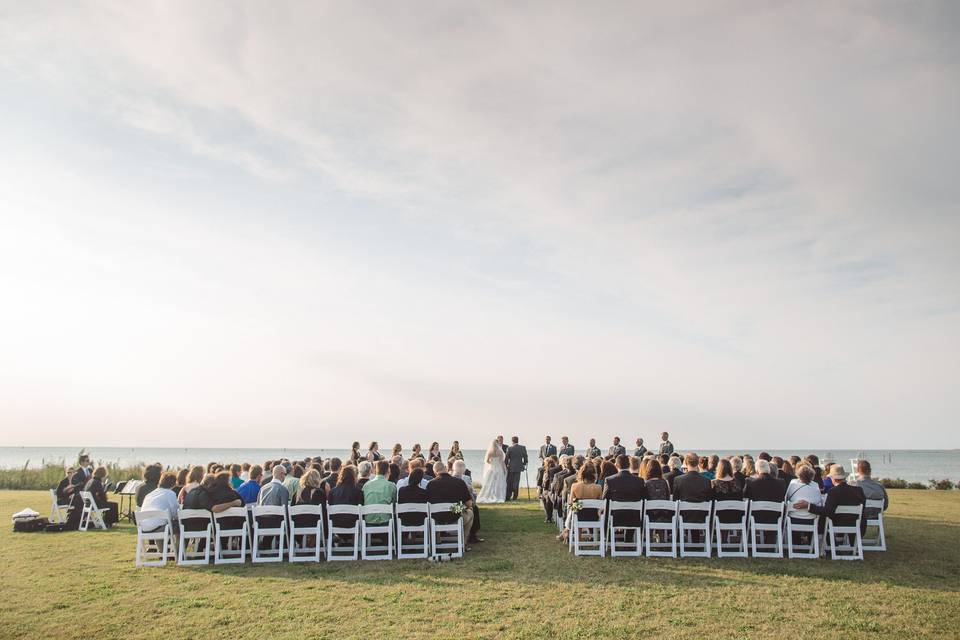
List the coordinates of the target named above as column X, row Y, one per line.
column 520, row 583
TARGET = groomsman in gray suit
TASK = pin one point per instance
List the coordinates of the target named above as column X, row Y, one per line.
column 516, row 464
column 666, row 447
column 593, row 451
column 566, row 449
column 617, row 449
column 547, row 450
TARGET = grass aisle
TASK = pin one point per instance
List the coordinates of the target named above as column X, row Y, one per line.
column 519, row 583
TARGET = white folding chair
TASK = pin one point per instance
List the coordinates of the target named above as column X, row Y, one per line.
column 368, row 550
column 268, row 533
column 334, row 552
column 735, row 545
column 224, row 538
column 794, row 525
column 91, row 512
column 189, row 551
column 440, row 534
column 596, row 530
column 873, row 512
column 156, row 545
column 657, row 546
column 58, row 512
column 414, row 531
column 688, row 526
column 622, row 547
column 299, row 549
column 759, row 530
column 844, row 550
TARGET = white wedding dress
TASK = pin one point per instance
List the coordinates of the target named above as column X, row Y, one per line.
column 494, row 483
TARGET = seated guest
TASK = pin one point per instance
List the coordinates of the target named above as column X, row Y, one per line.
column 624, row 486
column 379, row 490
column 764, row 487
column 193, row 481
column 310, row 491
column 607, row 469
column 345, row 491
column 363, row 472
column 551, row 468
column 333, row 475
column 235, row 476
column 64, row 489
column 654, row 486
column 413, row 491
column 725, row 486
column 635, row 465
column 736, row 462
column 814, row 462
column 749, row 470
column 461, row 472
column 840, row 494
column 393, row 473
column 826, row 481
column 244, row 472
column 691, row 486
column 161, row 499
column 804, row 488
column 703, row 468
column 786, row 473
column 872, row 490
column 250, row 490
column 151, row 479
column 673, row 471
column 585, row 488
column 181, row 481
column 563, row 496
column 224, row 496
column 292, row 482
column 95, row 486
column 415, row 463
column 274, row 493
column 445, row 488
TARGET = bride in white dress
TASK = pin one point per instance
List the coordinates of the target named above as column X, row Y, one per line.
column 494, row 482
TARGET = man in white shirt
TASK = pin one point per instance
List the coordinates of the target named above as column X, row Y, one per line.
column 161, row 499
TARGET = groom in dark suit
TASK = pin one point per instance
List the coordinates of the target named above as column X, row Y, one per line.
column 516, row 464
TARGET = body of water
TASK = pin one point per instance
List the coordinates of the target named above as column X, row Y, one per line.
column 911, row 465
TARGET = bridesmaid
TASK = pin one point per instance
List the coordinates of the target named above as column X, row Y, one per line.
column 455, row 453
column 434, row 454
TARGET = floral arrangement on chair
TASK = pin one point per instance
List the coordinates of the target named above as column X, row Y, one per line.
column 457, row 508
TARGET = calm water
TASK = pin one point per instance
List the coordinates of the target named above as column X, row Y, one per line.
column 915, row 465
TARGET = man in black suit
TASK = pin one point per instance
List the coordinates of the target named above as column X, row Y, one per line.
column 624, row 487
column 765, row 488
column 446, row 488
column 692, row 487
column 841, row 494
column 554, row 486
column 516, row 464
column 547, row 449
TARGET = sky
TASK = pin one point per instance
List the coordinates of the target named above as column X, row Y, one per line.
column 301, row 224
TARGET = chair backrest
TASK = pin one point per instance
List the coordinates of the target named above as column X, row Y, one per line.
column 849, row 510
column 370, row 509
column 662, row 505
column 439, row 507
column 413, row 507
column 87, row 498
column 305, row 510
column 730, row 505
column 150, row 515
column 232, row 512
column 593, row 504
column 695, row 506
column 343, row 510
column 193, row 514
column 871, row 504
column 260, row 511
column 766, row 505
column 616, row 505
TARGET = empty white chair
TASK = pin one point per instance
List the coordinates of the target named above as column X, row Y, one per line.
column 91, row 512
column 343, row 552
column 156, row 545
column 759, row 547
column 368, row 550
column 734, row 543
column 873, row 512
column 664, row 542
column 269, row 533
column 230, row 535
column 58, row 512
column 844, row 542
column 421, row 531
column 807, row 527
column 689, row 524
column 623, row 546
column 300, row 549
column 588, row 537
column 445, row 536
column 196, row 536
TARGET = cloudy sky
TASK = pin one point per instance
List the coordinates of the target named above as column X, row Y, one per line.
column 300, row 224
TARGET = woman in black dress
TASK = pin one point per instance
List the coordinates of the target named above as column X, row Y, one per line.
column 95, row 485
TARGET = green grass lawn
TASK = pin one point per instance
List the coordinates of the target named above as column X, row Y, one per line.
column 519, row 583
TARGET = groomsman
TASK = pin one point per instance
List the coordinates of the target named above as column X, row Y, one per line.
column 547, row 450
column 566, row 449
column 616, row 449
column 666, row 447
column 593, row 451
column 640, row 450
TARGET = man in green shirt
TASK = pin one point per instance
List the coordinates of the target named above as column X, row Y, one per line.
column 379, row 490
